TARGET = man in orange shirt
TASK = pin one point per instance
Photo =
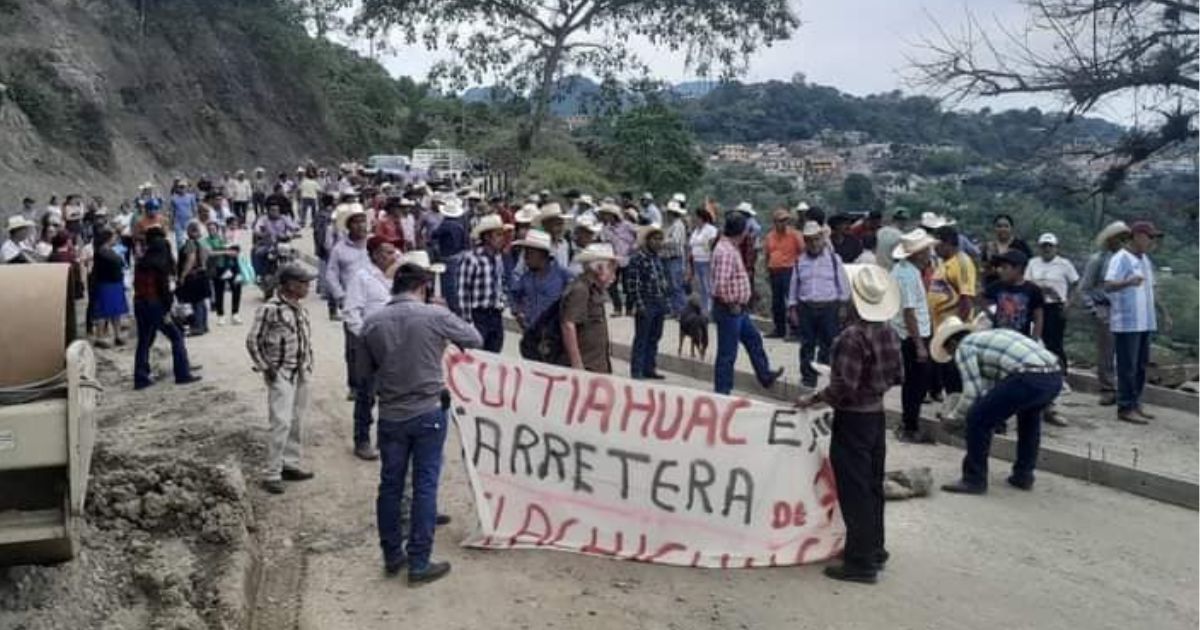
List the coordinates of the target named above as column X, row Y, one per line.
column 784, row 245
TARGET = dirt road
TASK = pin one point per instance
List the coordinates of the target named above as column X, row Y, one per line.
column 1067, row 555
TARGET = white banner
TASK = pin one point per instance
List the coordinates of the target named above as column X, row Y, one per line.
column 640, row 470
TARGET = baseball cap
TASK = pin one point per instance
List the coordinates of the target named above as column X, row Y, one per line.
column 1047, row 239
column 1144, row 227
column 295, row 272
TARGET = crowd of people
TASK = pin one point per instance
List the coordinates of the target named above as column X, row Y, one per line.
column 905, row 301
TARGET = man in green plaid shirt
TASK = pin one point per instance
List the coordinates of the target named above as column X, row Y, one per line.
column 1004, row 373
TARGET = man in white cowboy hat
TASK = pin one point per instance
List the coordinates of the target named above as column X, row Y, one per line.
column 19, row 248
column 403, row 347
column 584, row 206
column 1004, row 373
column 346, row 257
column 1109, row 241
column 475, row 203
column 552, row 220
column 650, row 214
column 731, row 294
column 369, row 289
column 482, row 285
column 584, row 319
column 537, row 290
column 649, row 293
column 817, row 292
column 448, row 243
column 674, row 253
column 912, row 323
column 866, row 364
column 622, row 236
column 585, row 233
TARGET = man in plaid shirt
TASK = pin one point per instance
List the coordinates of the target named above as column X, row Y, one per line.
column 481, row 285
column 649, row 292
column 731, row 298
column 1004, row 373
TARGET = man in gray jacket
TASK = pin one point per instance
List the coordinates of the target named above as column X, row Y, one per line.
column 402, row 355
column 345, row 258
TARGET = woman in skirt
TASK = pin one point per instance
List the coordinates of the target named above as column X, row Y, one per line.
column 108, row 282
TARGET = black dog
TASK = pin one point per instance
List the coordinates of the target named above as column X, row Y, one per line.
column 693, row 325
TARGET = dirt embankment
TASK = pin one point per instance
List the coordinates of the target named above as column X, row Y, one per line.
column 169, row 540
column 100, row 96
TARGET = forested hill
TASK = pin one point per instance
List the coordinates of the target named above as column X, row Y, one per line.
column 782, row 111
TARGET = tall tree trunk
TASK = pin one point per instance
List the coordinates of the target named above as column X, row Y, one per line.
column 541, row 100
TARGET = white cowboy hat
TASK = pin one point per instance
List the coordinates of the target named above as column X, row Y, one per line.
column 744, row 208
column 589, row 224
column 536, row 239
column 73, row 213
column 913, row 242
column 802, row 207
column 146, row 186
column 526, row 214
column 475, row 195
column 585, row 200
column 875, row 293
column 345, row 212
column 452, row 210
column 679, row 198
column 675, row 208
column 487, row 224
column 405, row 202
column 609, row 208
column 596, row 251
column 1047, row 239
column 260, row 169
column 811, row 228
column 299, row 169
column 947, row 329
column 549, row 211
column 932, row 221
column 239, row 172
column 17, row 222
column 645, row 231
column 420, row 258
column 646, row 196
column 1116, row 228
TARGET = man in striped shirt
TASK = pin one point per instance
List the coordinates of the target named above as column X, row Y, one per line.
column 731, row 297
column 280, row 346
column 1004, row 373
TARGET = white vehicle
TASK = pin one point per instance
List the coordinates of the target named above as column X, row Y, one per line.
column 387, row 165
column 440, row 160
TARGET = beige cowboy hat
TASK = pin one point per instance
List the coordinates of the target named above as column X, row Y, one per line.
column 609, row 208
column 345, row 212
column 933, row 221
column 452, row 210
column 489, row 223
column 239, row 172
column 811, row 229
column 73, row 213
column 952, row 326
column 586, row 200
column 745, row 208
column 644, row 232
column 674, row 207
column 536, row 239
column 595, row 252
column 146, row 186
column 475, row 195
column 589, row 224
column 17, row 222
column 913, row 242
column 526, row 214
column 420, row 258
column 1116, row 228
column 549, row 211
column 875, row 293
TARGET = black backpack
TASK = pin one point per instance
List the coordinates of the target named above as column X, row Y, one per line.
column 543, row 342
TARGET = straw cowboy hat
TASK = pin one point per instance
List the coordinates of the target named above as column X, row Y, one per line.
column 644, row 232
column 595, row 252
column 452, row 210
column 146, row 186
column 590, row 224
column 347, row 211
column 679, row 198
column 17, row 222
column 73, row 213
column 420, row 258
column 609, row 208
column 1116, row 228
column 745, row 208
column 811, row 229
column 674, row 207
column 933, row 221
column 875, row 293
column 952, row 326
column 913, row 242
column 526, row 214
column 586, row 200
column 489, row 223
column 536, row 239
column 549, row 211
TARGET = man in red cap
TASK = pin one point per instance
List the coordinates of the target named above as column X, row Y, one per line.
column 1129, row 281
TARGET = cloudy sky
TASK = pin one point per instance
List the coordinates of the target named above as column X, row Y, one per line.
column 858, row 46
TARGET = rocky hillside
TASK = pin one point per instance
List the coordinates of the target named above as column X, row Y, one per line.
column 101, row 95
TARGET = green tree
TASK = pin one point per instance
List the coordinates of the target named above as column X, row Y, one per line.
column 858, row 193
column 651, row 148
column 528, row 44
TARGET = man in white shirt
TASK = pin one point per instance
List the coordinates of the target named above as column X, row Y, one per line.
column 1055, row 275
column 369, row 290
column 19, row 246
column 240, row 193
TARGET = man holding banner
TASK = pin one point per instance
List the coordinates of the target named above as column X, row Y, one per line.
column 403, row 347
column 866, row 363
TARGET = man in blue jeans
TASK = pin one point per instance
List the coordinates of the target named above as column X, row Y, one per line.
column 818, row 292
column 1004, row 373
column 402, row 355
column 731, row 314
column 649, row 293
